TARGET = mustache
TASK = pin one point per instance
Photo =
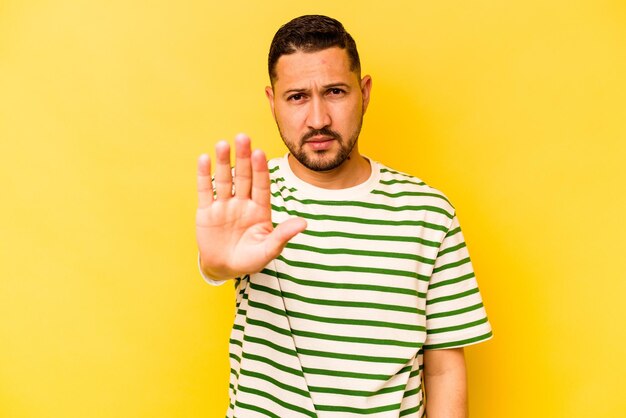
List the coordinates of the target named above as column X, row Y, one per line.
column 321, row 132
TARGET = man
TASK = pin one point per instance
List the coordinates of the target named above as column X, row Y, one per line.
column 355, row 293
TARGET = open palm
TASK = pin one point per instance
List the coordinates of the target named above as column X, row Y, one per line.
column 233, row 224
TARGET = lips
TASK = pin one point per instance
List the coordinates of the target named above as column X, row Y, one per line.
column 320, row 143
column 320, row 138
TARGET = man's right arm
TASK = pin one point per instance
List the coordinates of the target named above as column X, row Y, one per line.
column 233, row 222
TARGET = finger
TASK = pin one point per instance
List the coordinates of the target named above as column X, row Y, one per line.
column 243, row 169
column 260, row 179
column 279, row 237
column 205, row 187
column 223, row 174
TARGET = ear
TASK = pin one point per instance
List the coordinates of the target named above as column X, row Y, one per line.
column 269, row 93
column 366, row 88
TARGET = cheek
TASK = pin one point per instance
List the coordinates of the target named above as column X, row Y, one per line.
column 290, row 119
column 347, row 116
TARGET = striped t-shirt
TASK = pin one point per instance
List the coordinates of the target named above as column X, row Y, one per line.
column 337, row 324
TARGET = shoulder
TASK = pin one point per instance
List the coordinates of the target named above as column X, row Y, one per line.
column 399, row 185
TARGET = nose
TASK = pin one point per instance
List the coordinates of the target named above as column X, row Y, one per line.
column 319, row 116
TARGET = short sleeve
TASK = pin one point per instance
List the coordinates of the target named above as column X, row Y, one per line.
column 455, row 315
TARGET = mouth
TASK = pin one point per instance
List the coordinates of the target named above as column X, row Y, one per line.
column 319, row 138
column 320, row 142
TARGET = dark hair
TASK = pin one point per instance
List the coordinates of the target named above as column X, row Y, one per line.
column 311, row 33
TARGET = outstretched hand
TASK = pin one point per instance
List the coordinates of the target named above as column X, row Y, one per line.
column 233, row 225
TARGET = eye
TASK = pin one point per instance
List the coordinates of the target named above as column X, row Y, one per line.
column 295, row 97
column 335, row 92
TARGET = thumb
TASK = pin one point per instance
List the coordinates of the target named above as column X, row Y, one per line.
column 283, row 232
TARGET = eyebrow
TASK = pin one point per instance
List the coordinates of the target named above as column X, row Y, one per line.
column 325, row 87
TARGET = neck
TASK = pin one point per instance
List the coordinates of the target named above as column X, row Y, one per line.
column 352, row 172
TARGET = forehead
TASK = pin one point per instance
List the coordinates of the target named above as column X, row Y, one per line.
column 326, row 66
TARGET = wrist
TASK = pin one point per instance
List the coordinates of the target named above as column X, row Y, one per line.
column 212, row 275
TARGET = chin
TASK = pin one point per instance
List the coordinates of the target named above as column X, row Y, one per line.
column 323, row 164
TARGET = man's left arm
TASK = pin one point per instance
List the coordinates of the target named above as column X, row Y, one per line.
column 446, row 383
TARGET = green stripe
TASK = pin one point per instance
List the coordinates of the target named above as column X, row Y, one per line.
column 362, row 411
column 274, row 364
column 455, row 312
column 378, row 206
column 413, row 410
column 354, row 375
column 277, row 401
column 367, row 253
column 459, row 343
column 330, row 337
column 268, row 308
column 283, row 188
column 355, row 269
column 269, row 326
column 451, row 281
column 235, row 342
column 341, row 303
column 342, row 321
column 394, row 181
column 348, row 392
column 399, row 173
column 451, row 249
column 352, row 357
column 256, row 409
column 359, row 220
column 270, row 344
column 274, row 169
column 275, row 382
column 413, row 392
column 409, row 193
column 394, row 238
column 451, row 265
column 452, row 297
column 360, row 340
column 352, row 286
column 453, row 232
column 457, row 327
column 234, row 394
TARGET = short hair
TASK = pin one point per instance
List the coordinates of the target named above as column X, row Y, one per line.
column 311, row 33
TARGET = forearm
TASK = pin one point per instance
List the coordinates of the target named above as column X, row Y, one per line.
column 445, row 384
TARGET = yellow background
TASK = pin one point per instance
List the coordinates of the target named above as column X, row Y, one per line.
column 517, row 110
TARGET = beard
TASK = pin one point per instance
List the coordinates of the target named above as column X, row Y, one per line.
column 323, row 160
